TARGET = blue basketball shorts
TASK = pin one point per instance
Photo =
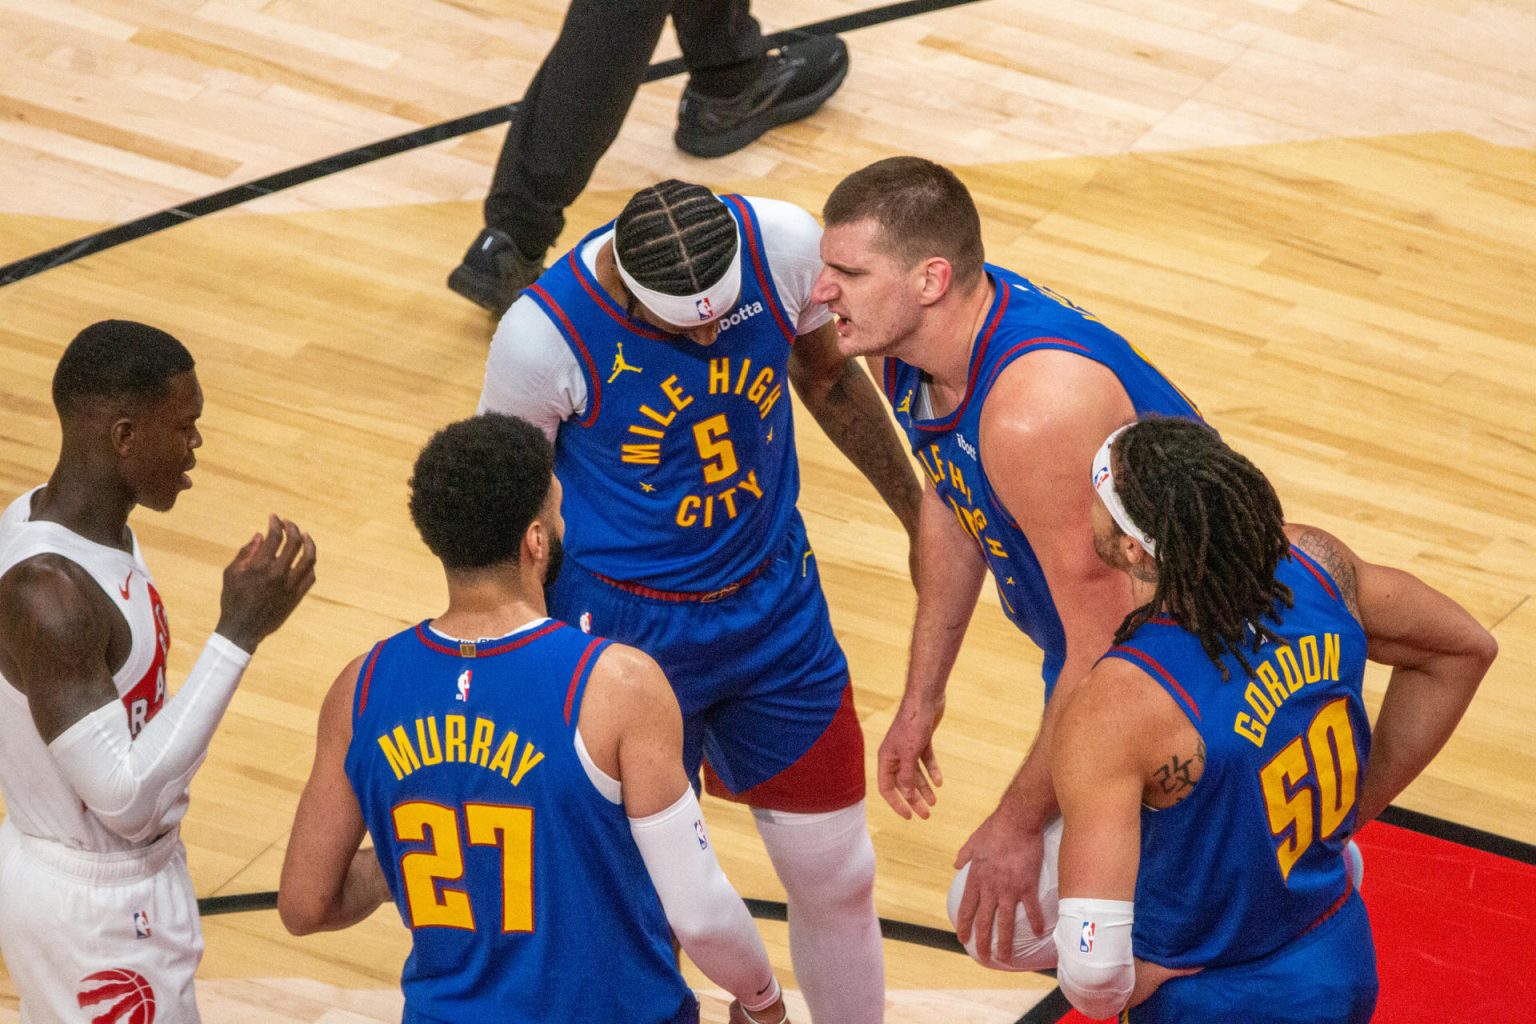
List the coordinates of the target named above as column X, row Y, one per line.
column 758, row 674
column 1329, row 974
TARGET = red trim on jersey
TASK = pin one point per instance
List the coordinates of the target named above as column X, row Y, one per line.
column 1022, row 348
column 373, row 659
column 1316, row 570
column 769, row 294
column 978, row 357
column 827, row 777
column 596, row 385
column 570, row 694
column 1146, row 659
column 890, row 379
column 605, row 302
column 487, row 652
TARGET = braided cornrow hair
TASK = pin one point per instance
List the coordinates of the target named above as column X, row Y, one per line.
column 676, row 238
column 1219, row 532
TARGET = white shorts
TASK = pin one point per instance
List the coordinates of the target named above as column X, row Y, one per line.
column 99, row 936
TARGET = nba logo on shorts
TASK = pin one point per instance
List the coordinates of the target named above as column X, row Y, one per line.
column 705, row 310
column 122, row 997
column 698, row 829
column 585, row 622
column 1085, row 942
column 141, row 925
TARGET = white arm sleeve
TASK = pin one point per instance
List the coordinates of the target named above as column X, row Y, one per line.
column 1095, row 968
column 703, row 909
column 530, row 371
column 792, row 240
column 131, row 784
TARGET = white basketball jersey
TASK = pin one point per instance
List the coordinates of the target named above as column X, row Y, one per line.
column 38, row 799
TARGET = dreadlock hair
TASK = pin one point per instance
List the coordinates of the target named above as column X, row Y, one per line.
column 676, row 238
column 1219, row 533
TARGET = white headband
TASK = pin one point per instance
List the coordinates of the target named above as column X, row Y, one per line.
column 1104, row 484
column 688, row 310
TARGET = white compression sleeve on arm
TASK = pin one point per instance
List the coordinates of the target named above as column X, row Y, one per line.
column 703, row 909
column 130, row 784
column 1095, row 968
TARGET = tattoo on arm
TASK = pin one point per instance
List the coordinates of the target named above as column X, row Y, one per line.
column 1339, row 565
column 851, row 413
column 1178, row 777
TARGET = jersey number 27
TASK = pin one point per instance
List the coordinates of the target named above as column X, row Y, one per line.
column 428, row 875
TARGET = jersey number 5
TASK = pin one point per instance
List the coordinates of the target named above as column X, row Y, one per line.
column 1320, row 767
column 715, row 448
column 421, row 871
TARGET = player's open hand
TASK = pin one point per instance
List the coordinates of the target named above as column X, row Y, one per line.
column 1005, row 857
column 265, row 582
column 908, row 771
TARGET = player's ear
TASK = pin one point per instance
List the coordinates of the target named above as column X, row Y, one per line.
column 935, row 279
column 123, row 436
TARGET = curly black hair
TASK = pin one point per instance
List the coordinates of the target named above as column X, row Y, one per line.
column 676, row 238
column 117, row 359
column 1219, row 531
column 477, row 485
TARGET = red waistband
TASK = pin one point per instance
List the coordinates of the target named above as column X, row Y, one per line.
column 697, row 597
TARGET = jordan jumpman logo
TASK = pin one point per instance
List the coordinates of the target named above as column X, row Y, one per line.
column 619, row 365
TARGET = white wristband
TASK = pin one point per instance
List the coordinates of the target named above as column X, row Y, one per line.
column 1095, row 966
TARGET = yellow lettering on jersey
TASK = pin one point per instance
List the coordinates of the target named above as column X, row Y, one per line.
column 680, row 398
column 687, row 511
column 996, row 547
column 957, row 481
column 635, row 428
column 399, row 753
column 765, row 406
column 719, row 376
column 480, row 746
column 665, row 421
column 530, row 758
column 936, row 469
column 454, row 728
column 741, row 378
column 427, row 742
column 700, row 509
column 645, row 454
column 1294, row 673
column 760, row 386
column 502, row 762
column 750, row 484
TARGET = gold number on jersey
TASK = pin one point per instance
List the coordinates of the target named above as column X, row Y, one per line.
column 1290, row 784
column 715, row 448
column 432, row 904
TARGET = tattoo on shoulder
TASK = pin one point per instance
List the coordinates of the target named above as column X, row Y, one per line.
column 1321, row 547
column 1177, row 778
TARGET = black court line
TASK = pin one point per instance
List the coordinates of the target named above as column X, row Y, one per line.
column 60, row 255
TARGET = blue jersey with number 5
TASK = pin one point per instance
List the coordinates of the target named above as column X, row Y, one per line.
column 526, row 897
column 681, row 474
column 1252, row 859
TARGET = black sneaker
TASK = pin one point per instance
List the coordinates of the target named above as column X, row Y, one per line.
column 494, row 272
column 794, row 82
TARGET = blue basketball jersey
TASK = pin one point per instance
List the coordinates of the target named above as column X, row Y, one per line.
column 1252, row 859
column 682, row 473
column 1024, row 318
column 526, row 897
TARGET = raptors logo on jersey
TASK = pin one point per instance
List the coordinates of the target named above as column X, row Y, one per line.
column 145, row 698
column 118, row 996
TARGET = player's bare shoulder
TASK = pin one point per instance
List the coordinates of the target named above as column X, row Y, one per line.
column 49, row 603
column 1334, row 556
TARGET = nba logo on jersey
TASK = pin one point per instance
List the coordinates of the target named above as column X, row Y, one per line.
column 1085, row 942
column 585, row 622
column 141, row 925
column 463, row 693
column 698, row 830
column 706, row 311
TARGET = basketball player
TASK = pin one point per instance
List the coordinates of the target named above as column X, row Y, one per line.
column 1004, row 389
column 98, row 920
column 656, row 356
column 1240, row 758
column 522, row 783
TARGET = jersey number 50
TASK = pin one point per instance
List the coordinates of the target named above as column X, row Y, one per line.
column 428, row 874
column 1321, row 767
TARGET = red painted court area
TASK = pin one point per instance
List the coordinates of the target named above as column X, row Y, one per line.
column 1455, row 930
